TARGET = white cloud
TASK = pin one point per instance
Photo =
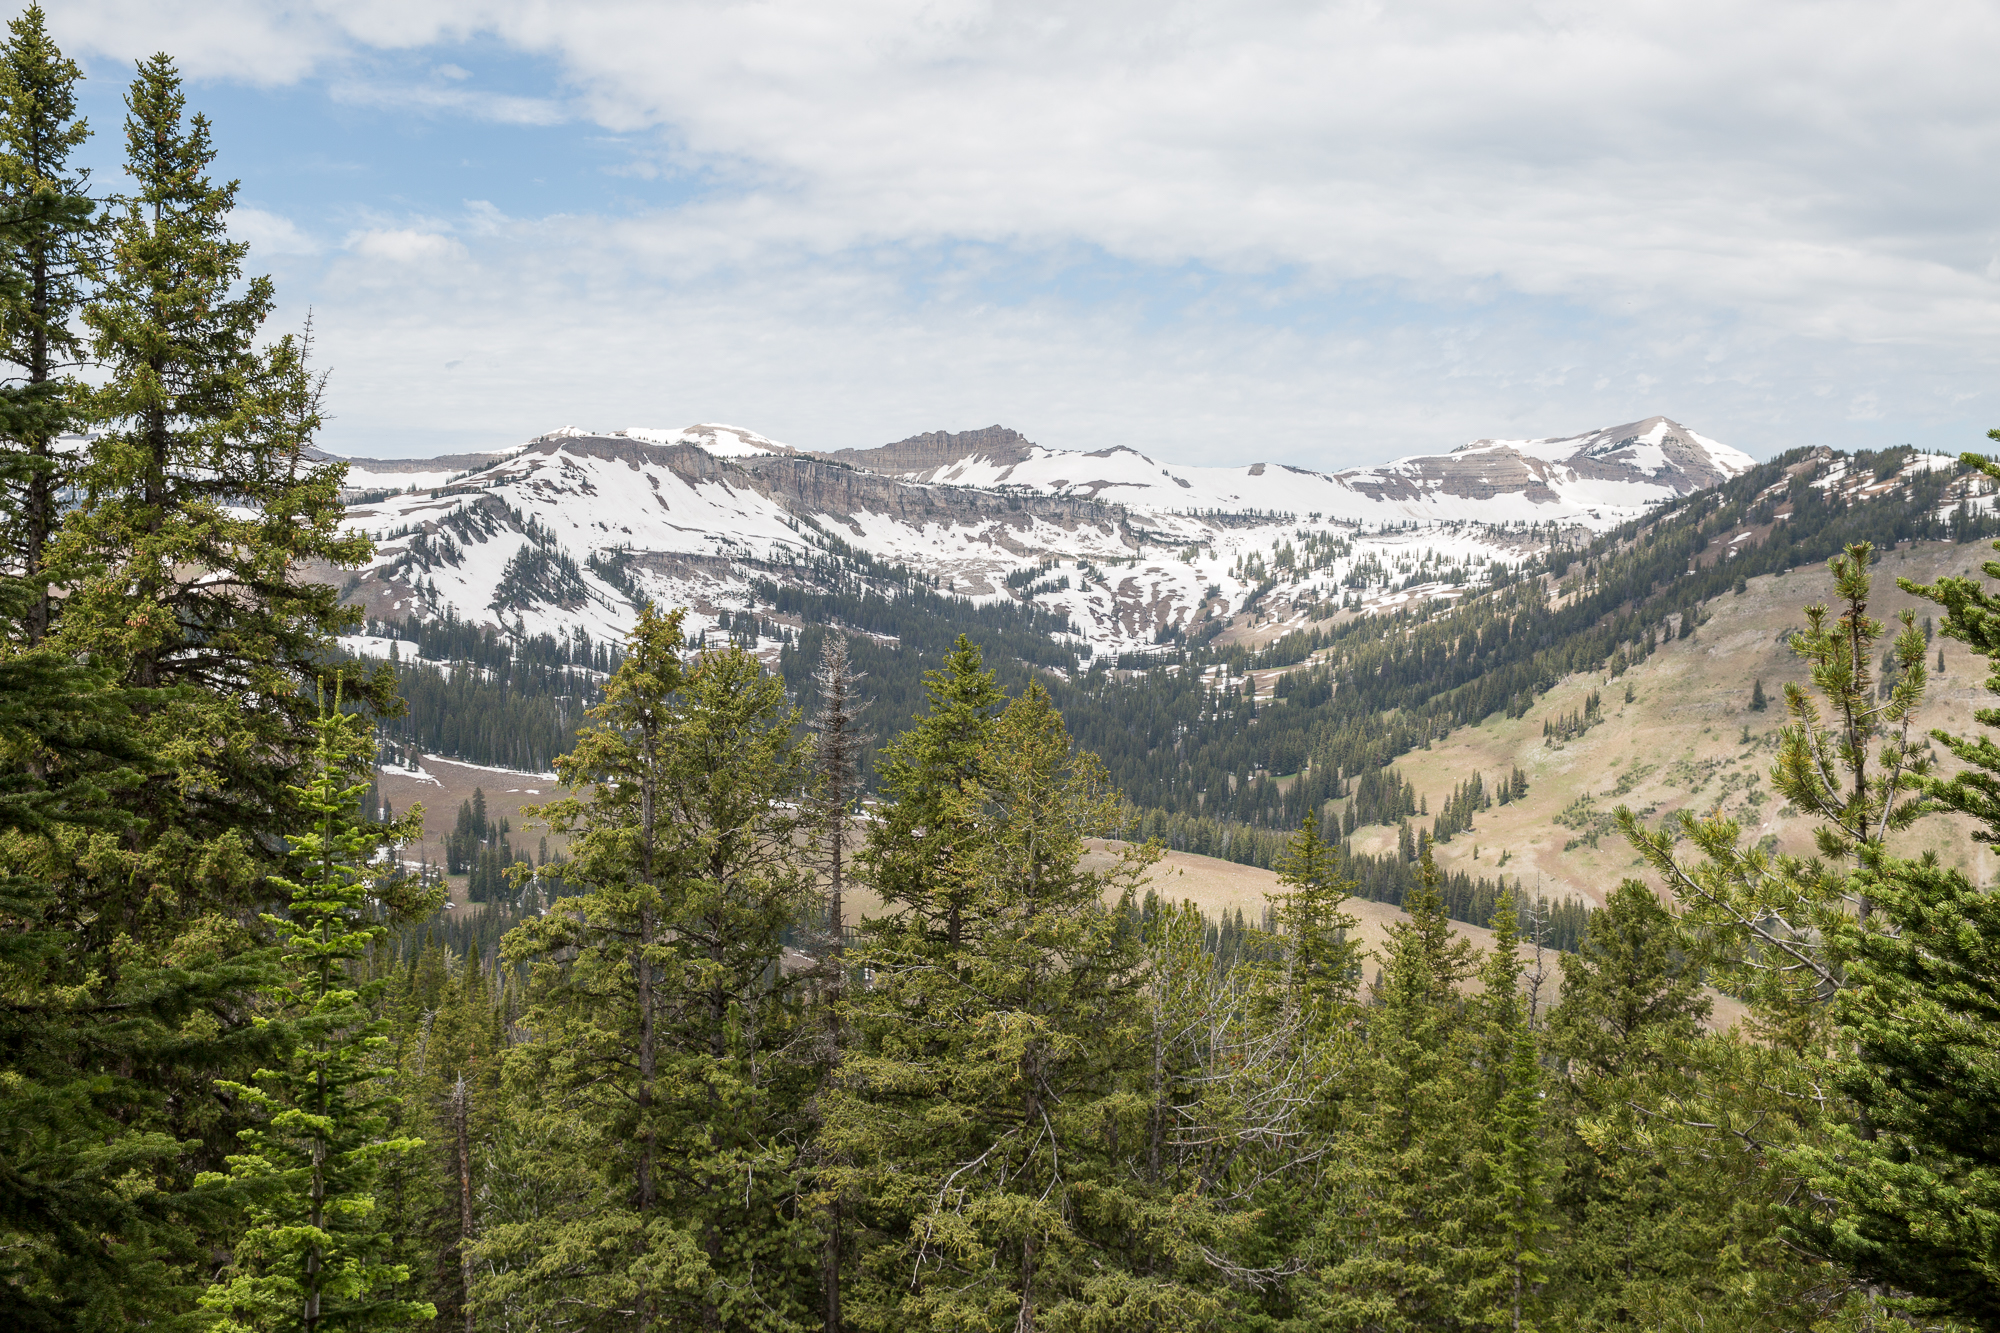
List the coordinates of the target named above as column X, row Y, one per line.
column 270, row 233
column 1754, row 201
column 405, row 246
column 500, row 108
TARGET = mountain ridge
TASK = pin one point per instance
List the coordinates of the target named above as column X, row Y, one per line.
column 570, row 529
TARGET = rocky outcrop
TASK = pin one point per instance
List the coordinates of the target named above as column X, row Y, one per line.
column 935, row 449
column 813, row 487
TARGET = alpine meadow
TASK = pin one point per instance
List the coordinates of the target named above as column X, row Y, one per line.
column 655, row 879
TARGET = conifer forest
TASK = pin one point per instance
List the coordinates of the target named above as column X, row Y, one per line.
column 252, row 1077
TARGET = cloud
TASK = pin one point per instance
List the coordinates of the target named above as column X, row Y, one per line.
column 405, row 246
column 269, row 233
column 499, row 108
column 1438, row 202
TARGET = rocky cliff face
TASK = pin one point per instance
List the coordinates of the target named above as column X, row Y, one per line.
column 923, row 455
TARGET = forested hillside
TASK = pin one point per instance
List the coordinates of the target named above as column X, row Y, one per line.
column 255, row 1075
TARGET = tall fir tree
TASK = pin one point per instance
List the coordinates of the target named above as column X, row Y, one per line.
column 1394, row 1228
column 196, row 511
column 1322, row 953
column 1509, row 1202
column 913, row 845
column 313, row 1255
column 1909, row 1195
column 50, row 240
column 836, row 760
column 200, row 504
column 989, row 1116
column 663, row 1011
column 93, row 1221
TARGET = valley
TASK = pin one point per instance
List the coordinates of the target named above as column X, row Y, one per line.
column 1253, row 711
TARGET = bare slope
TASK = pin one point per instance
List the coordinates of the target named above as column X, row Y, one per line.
column 1679, row 742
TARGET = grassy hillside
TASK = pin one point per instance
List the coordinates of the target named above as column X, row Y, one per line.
column 1679, row 742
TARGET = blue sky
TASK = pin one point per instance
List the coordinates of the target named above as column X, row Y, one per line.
column 1322, row 234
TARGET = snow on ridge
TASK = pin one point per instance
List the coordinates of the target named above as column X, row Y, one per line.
column 635, row 524
column 721, row 440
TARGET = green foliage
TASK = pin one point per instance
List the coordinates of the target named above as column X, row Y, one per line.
column 925, row 773
column 1395, row 1229
column 1323, row 964
column 312, row 1255
column 661, row 1010
column 1908, row 1192
column 988, row 1115
column 1765, row 919
column 49, row 236
column 158, row 728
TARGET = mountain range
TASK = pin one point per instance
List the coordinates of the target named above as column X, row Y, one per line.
column 574, row 528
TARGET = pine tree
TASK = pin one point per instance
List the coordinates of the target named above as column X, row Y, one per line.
column 836, row 755
column 1394, row 1233
column 96, row 1224
column 912, row 845
column 312, row 1256
column 1520, row 1182
column 1624, row 990
column 1909, row 1186
column 1324, row 959
column 200, row 503
column 449, row 1034
column 1848, row 761
column 661, row 1010
column 196, row 510
column 1758, row 703
column 989, row 1111
column 49, row 239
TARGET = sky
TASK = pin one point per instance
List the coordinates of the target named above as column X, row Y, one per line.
column 1321, row 234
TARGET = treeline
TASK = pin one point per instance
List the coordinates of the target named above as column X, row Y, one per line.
column 1383, row 879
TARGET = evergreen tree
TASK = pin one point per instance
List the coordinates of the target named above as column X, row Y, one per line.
column 1395, row 1234
column 200, row 502
column 49, row 238
column 1628, row 1013
column 1911, row 1188
column 1758, row 703
column 836, row 755
column 837, row 761
column 661, row 1010
column 312, row 1256
column 1520, row 1187
column 179, row 564
column 195, row 512
column 449, row 1033
column 988, row 1112
column 1849, row 762
column 1509, row 1212
column 1324, row 959
column 1624, row 990
column 96, row 1223
column 922, row 774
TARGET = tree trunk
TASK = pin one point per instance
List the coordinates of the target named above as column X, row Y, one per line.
column 461, row 1106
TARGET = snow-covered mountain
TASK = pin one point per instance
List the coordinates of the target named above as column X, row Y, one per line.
column 568, row 530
